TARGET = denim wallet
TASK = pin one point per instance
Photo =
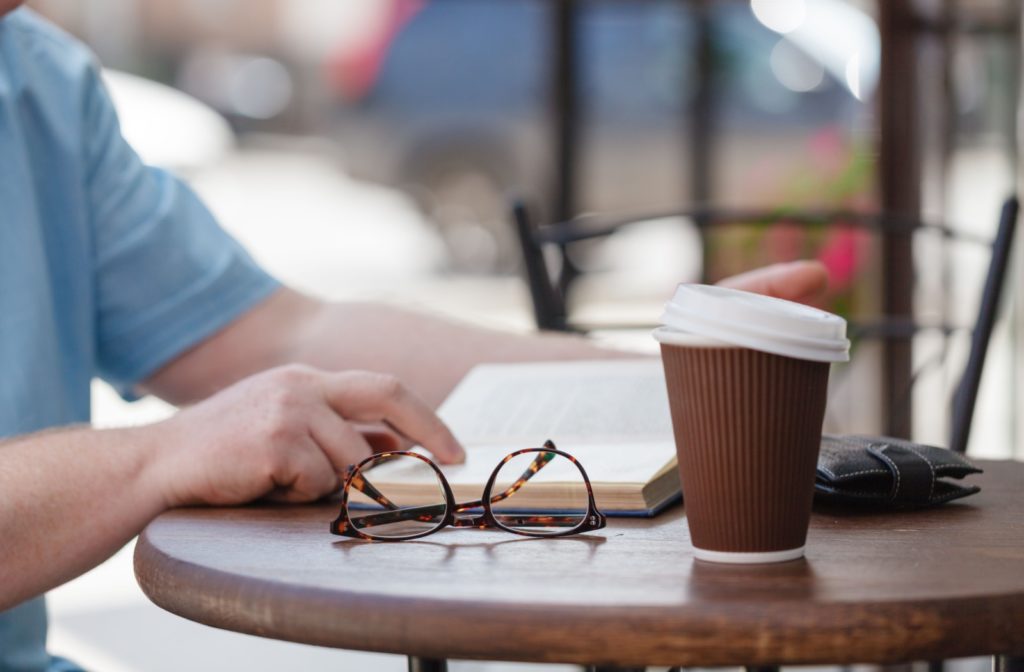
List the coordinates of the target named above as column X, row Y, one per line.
column 883, row 472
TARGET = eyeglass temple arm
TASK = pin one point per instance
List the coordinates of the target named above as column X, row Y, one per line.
column 426, row 514
column 431, row 513
column 513, row 520
column 356, row 480
column 538, row 463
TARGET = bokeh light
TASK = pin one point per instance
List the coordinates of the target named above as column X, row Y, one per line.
column 794, row 69
column 782, row 16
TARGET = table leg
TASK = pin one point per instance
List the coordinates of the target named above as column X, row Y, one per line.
column 1008, row 664
column 417, row 664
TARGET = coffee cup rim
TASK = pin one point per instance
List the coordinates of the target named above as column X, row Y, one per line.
column 670, row 336
column 757, row 322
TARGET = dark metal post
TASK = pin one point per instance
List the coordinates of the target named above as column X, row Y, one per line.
column 567, row 124
column 900, row 192
column 417, row 664
column 703, row 117
column 565, row 109
column 1008, row 664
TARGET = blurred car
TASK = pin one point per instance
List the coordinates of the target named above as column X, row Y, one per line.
column 165, row 126
column 449, row 100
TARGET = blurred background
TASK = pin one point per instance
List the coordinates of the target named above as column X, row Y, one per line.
column 367, row 149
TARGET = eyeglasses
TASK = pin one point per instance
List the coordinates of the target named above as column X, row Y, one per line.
column 402, row 495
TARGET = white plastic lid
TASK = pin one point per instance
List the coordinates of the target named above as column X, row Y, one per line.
column 755, row 321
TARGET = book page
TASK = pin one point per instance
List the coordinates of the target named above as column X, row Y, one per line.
column 620, row 402
column 612, row 416
column 604, row 463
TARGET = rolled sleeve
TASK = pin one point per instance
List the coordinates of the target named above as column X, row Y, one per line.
column 166, row 275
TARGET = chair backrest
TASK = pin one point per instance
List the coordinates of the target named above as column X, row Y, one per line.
column 547, row 297
column 548, row 288
column 967, row 390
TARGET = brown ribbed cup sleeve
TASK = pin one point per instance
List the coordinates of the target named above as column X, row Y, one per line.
column 747, row 429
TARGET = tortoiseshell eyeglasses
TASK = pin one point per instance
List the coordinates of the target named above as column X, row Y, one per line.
column 401, row 495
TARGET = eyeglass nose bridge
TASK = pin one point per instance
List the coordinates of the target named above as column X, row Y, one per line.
column 471, row 520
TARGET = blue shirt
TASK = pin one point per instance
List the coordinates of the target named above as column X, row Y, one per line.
column 108, row 267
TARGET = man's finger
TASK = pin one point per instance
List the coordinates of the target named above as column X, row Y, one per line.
column 383, row 440
column 340, row 441
column 371, row 397
column 306, row 475
column 803, row 281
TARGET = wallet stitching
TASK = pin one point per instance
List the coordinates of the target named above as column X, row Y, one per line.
column 852, row 474
column 931, row 467
column 855, row 473
column 866, row 493
column 896, row 470
column 827, row 487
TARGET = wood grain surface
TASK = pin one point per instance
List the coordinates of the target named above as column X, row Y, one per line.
column 874, row 587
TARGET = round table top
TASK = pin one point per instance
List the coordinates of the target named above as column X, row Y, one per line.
column 874, row 587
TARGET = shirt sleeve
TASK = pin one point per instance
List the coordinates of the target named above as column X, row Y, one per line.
column 166, row 275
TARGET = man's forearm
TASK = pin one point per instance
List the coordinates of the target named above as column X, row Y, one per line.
column 68, row 500
column 430, row 354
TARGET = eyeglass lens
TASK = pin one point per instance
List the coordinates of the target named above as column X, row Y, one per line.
column 539, row 493
column 380, row 506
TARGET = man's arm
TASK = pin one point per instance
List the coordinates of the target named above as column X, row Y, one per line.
column 427, row 353
column 430, row 354
column 70, row 498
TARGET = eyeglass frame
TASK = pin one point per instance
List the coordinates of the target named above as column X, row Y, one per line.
column 343, row 525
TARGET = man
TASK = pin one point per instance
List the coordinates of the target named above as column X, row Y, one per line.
column 111, row 268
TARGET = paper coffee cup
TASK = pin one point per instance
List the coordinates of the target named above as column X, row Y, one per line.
column 747, row 379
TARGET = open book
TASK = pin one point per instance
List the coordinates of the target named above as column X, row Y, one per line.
column 612, row 416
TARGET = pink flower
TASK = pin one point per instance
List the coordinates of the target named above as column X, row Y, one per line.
column 841, row 254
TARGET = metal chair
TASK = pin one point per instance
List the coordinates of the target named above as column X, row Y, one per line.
column 549, row 288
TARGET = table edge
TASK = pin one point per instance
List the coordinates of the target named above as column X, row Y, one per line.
column 928, row 629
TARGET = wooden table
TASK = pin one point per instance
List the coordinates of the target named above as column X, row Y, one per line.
column 874, row 588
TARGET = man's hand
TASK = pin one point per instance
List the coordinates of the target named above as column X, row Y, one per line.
column 287, row 434
column 801, row 281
